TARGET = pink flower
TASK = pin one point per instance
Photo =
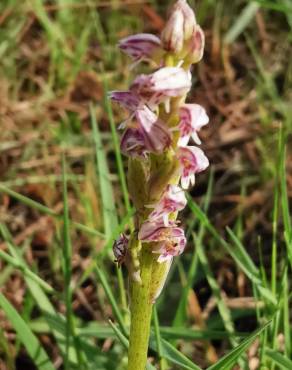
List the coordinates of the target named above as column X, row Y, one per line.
column 133, row 143
column 172, row 200
column 161, row 85
column 171, row 248
column 126, row 99
column 150, row 135
column 192, row 160
column 156, row 134
column 179, row 27
column 192, row 118
column 171, row 240
column 143, row 46
column 120, row 249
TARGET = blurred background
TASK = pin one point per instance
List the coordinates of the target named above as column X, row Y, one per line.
column 58, row 60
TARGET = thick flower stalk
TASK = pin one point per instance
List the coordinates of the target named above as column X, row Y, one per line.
column 158, row 137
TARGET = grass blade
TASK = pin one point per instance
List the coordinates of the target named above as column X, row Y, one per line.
column 108, row 291
column 170, row 353
column 27, row 338
column 122, row 338
column 238, row 254
column 226, row 362
column 107, row 195
column 163, row 364
column 43, row 209
column 223, row 309
column 241, row 22
column 248, row 267
column 279, row 359
column 67, row 271
column 116, row 143
column 180, row 315
column 26, row 271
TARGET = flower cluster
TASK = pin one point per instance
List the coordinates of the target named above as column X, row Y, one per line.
column 160, row 125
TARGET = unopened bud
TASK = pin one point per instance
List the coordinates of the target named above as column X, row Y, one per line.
column 179, row 27
column 194, row 47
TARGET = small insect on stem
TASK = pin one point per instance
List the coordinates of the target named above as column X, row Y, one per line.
column 120, row 249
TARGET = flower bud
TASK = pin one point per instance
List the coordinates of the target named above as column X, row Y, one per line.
column 194, row 48
column 179, row 27
column 172, row 36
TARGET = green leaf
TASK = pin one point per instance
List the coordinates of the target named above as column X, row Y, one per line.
column 27, row 338
column 280, row 360
column 230, row 359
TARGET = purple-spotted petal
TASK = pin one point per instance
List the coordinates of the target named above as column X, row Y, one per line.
column 157, row 136
column 170, row 240
column 172, row 200
column 133, row 143
column 172, row 81
column 192, row 160
column 126, row 99
column 161, row 85
column 142, row 46
column 170, row 248
column 192, row 118
column 155, row 231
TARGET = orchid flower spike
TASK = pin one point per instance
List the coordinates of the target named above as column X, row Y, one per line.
column 161, row 164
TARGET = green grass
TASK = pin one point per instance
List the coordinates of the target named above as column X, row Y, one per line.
column 60, row 161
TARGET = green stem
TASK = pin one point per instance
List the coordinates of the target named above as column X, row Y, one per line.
column 141, row 310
